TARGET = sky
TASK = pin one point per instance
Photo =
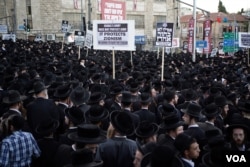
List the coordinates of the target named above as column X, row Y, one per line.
column 232, row 6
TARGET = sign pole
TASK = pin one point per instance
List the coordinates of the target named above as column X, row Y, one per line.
column 87, row 52
column 158, row 52
column 79, row 52
column 63, row 42
column 131, row 58
column 248, row 58
column 162, row 64
column 113, row 62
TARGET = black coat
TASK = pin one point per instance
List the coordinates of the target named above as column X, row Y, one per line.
column 40, row 110
column 117, row 152
column 146, row 115
column 48, row 147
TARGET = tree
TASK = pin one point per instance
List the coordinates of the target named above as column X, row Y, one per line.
column 221, row 7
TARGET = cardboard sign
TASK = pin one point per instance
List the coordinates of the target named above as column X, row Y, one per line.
column 79, row 38
column 89, row 39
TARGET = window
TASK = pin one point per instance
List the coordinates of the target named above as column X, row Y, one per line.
column 74, row 20
column 139, row 20
column 29, row 14
column 158, row 19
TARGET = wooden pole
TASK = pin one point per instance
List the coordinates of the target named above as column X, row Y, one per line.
column 63, row 42
column 79, row 52
column 131, row 58
column 162, row 64
column 113, row 62
column 87, row 52
column 158, row 52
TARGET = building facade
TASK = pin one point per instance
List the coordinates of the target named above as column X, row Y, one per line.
column 45, row 16
column 221, row 23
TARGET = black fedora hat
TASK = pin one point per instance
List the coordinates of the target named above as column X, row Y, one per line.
column 166, row 108
column 244, row 106
column 221, row 101
column 128, row 97
column 96, row 113
column 13, row 96
column 237, row 121
column 79, row 95
column 211, row 110
column 116, row 89
column 189, row 94
column 63, row 91
column 96, row 97
column 84, row 158
column 47, row 127
column 193, row 109
column 145, row 97
column 38, row 86
column 214, row 138
column 87, row 133
column 75, row 114
column 146, row 129
column 172, row 121
column 122, row 122
column 133, row 86
column 183, row 142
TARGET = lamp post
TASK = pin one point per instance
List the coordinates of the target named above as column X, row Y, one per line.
column 194, row 35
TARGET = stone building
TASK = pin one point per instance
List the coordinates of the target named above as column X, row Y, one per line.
column 45, row 16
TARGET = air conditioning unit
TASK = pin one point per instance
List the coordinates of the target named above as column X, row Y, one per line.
column 51, row 37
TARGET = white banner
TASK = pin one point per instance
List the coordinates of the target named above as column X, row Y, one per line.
column 89, row 39
column 3, row 29
column 244, row 39
column 114, row 35
column 9, row 36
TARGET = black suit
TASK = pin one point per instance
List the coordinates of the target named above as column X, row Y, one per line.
column 64, row 137
column 146, row 115
column 48, row 147
column 40, row 110
column 61, row 110
column 165, row 139
column 117, row 152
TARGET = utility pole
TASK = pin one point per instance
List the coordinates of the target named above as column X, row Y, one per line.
column 89, row 15
column 194, row 35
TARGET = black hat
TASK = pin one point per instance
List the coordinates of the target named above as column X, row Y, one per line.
column 237, row 121
column 84, row 158
column 47, row 127
column 75, row 114
column 146, row 129
column 214, row 138
column 183, row 142
column 133, row 86
column 13, row 96
column 122, row 122
column 128, row 97
column 96, row 97
column 193, row 109
column 171, row 121
column 189, row 94
column 79, row 95
column 87, row 133
column 116, row 89
column 161, row 155
column 166, row 108
column 96, row 113
column 145, row 97
column 211, row 110
column 38, row 86
column 220, row 101
column 63, row 91
column 244, row 106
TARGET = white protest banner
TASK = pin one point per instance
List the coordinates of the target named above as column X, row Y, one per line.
column 214, row 52
column 9, row 36
column 79, row 38
column 244, row 39
column 65, row 26
column 3, row 29
column 114, row 34
column 89, row 39
column 164, row 34
column 176, row 43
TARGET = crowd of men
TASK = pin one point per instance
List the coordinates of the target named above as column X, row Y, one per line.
column 61, row 109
